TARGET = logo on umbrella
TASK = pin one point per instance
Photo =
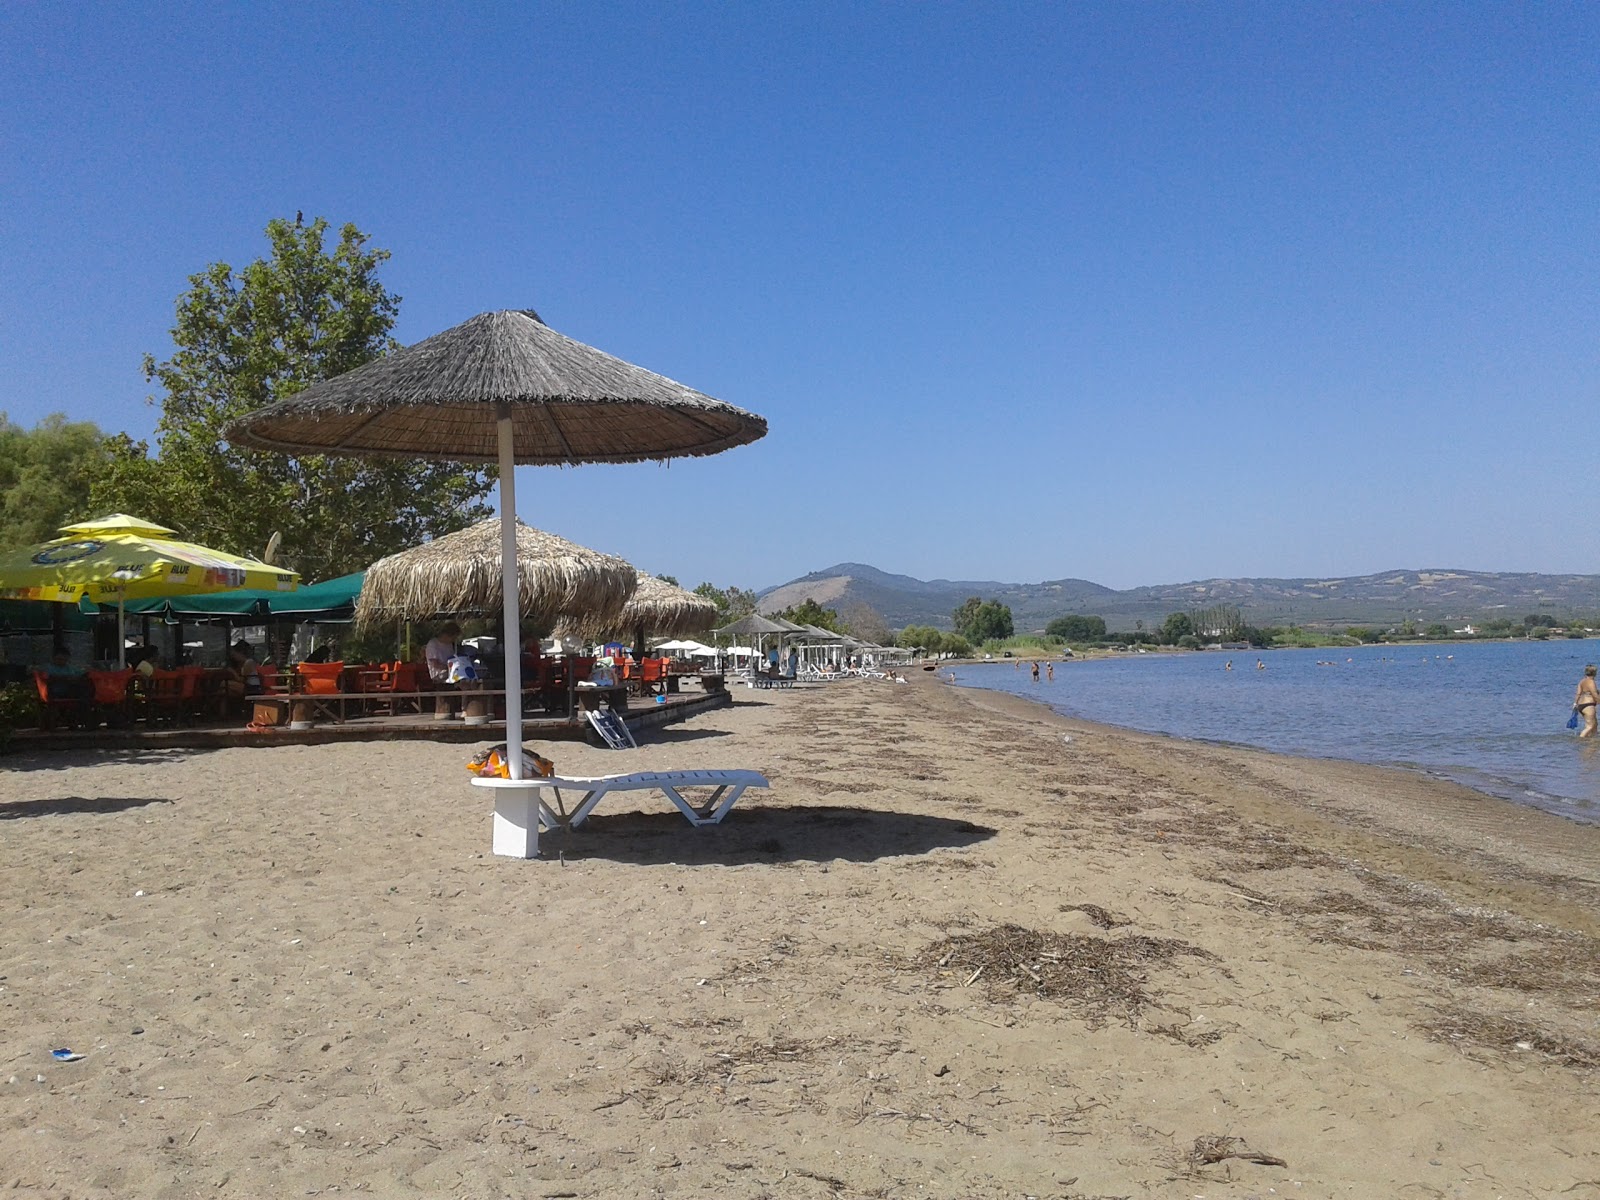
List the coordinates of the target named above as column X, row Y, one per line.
column 70, row 552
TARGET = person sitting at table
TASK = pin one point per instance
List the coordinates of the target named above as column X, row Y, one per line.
column 440, row 654
column 63, row 681
column 243, row 679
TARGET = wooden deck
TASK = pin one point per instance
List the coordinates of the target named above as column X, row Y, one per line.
column 640, row 715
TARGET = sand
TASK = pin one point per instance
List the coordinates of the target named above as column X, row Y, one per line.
column 961, row 948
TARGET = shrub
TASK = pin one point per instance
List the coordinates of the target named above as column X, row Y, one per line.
column 19, row 709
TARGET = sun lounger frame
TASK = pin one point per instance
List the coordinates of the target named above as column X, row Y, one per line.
column 515, row 801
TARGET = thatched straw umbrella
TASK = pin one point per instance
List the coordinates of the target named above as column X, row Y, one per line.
column 504, row 388
column 461, row 573
column 656, row 607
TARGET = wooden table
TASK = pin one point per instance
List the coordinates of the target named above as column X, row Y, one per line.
column 616, row 696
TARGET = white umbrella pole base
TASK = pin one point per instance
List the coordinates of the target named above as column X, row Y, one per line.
column 516, row 816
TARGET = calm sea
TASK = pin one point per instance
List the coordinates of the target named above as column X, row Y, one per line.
column 1490, row 715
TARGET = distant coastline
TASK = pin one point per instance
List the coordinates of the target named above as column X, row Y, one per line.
column 1425, row 597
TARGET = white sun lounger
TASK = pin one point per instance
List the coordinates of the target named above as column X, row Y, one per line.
column 514, row 803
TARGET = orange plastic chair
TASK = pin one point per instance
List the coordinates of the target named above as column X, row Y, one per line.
column 111, row 690
column 320, row 679
column 323, row 679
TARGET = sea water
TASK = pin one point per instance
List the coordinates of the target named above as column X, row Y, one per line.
column 1491, row 715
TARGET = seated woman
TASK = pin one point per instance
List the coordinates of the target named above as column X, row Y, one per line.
column 244, row 674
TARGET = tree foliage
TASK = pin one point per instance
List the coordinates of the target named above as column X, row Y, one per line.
column 245, row 339
column 1175, row 628
column 979, row 620
column 921, row 637
column 928, row 640
column 45, row 477
column 732, row 602
column 1075, row 628
column 1219, row 623
column 809, row 612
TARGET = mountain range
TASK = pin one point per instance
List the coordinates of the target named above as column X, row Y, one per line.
column 1449, row 596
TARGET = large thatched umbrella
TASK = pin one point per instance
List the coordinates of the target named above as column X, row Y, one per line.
column 462, row 573
column 504, row 388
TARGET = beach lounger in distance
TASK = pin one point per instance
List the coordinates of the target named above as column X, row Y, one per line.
column 520, row 805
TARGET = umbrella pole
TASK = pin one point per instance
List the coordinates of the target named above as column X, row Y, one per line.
column 510, row 609
column 122, row 633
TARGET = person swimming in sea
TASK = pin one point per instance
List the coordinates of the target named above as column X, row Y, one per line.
column 1050, row 672
column 1036, row 672
column 1228, row 666
column 1586, row 700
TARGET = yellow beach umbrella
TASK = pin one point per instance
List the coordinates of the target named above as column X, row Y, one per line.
column 119, row 558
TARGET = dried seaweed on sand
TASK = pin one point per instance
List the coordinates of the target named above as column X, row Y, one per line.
column 1214, row 1148
column 1099, row 977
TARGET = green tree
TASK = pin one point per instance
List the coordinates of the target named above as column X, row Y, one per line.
column 732, row 602
column 244, row 339
column 920, row 637
column 809, row 612
column 979, row 620
column 46, row 474
column 956, row 645
column 1220, row 623
column 1175, row 628
column 1077, row 629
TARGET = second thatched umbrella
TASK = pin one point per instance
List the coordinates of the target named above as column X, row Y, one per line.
column 656, row 607
column 557, row 580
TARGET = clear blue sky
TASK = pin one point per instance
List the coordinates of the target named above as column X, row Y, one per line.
column 1136, row 293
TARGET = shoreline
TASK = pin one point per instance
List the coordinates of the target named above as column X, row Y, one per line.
column 1519, row 849
column 1419, row 771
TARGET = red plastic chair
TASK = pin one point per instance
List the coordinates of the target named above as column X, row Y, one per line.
column 111, row 691
column 167, row 695
column 72, row 706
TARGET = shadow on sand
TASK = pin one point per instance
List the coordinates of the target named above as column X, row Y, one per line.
column 25, row 757
column 761, row 834
column 668, row 735
column 15, row 810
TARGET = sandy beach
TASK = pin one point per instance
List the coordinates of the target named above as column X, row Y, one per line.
column 961, row 948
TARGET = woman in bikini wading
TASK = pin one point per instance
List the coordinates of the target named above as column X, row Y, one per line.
column 1585, row 701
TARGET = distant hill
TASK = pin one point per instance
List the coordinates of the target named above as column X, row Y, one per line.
column 1386, row 598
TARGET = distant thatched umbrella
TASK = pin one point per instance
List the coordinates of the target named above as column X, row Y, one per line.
column 656, row 607
column 461, row 573
column 659, row 607
column 503, row 388
column 753, row 624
